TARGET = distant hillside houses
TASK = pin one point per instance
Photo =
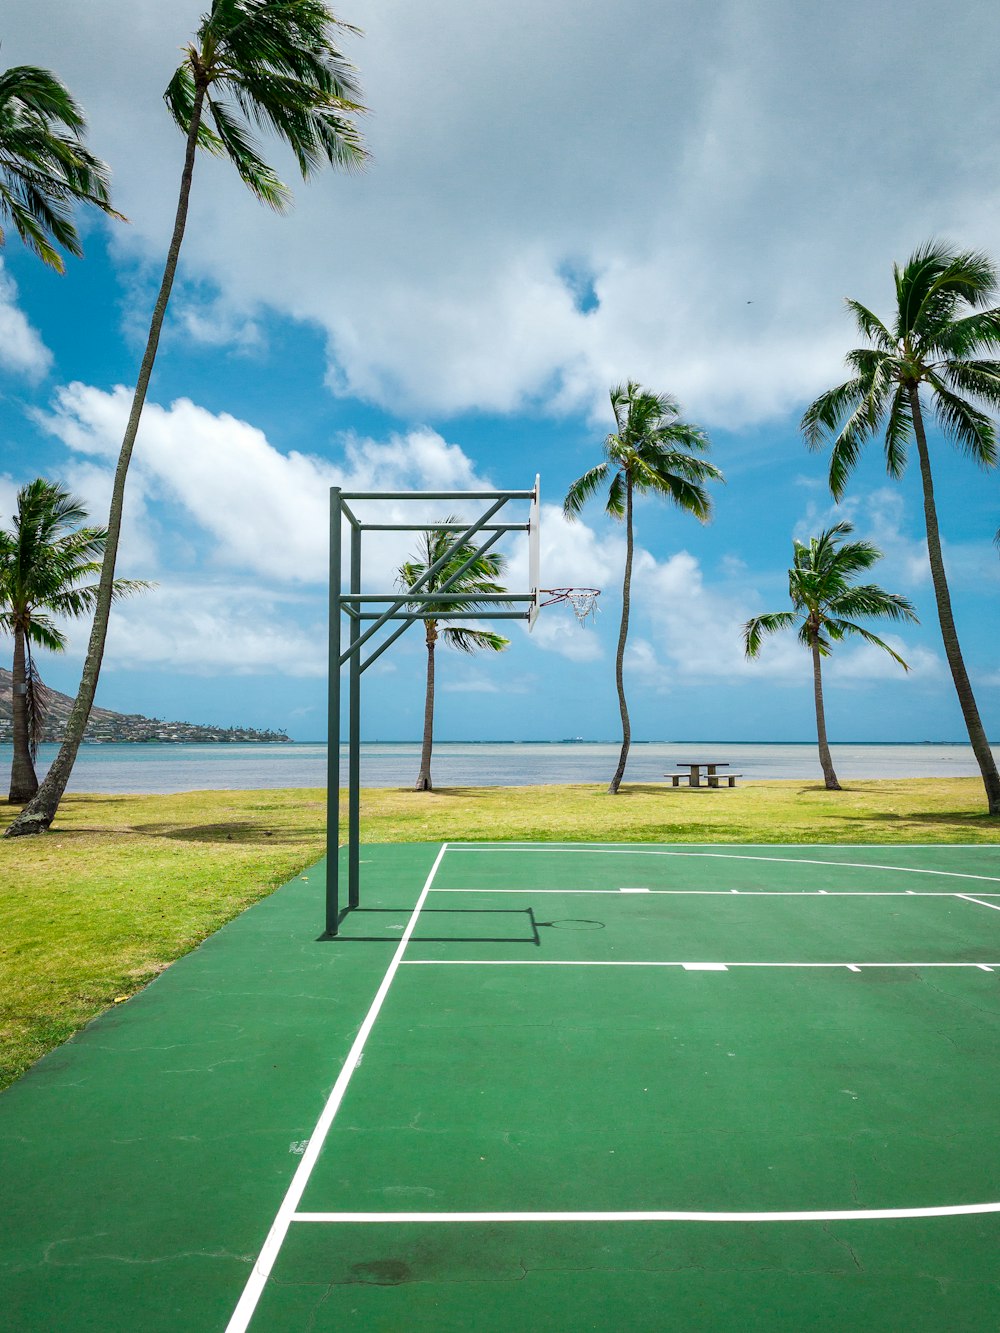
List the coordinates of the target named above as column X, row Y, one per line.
column 106, row 727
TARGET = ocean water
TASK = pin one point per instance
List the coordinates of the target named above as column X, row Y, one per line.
column 169, row 768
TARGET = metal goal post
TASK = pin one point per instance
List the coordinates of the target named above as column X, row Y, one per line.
column 374, row 621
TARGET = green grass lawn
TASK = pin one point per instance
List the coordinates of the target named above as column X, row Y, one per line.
column 123, row 885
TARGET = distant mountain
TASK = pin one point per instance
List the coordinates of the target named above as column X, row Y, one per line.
column 105, row 726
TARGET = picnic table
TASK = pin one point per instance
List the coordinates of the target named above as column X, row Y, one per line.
column 712, row 775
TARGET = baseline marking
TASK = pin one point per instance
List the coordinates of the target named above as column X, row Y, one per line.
column 659, row 1215
column 279, row 1228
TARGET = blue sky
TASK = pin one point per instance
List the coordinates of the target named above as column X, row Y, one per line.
column 561, row 196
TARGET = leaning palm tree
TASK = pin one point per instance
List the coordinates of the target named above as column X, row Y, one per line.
column 929, row 356
column 43, row 562
column 826, row 600
column 469, row 588
column 44, row 167
column 276, row 61
column 644, row 455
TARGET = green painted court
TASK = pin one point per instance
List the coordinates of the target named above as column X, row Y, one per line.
column 540, row 1086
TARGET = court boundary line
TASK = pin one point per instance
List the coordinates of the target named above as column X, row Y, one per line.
column 261, row 1271
column 682, row 963
column 746, row 893
column 979, row 901
column 473, row 843
column 657, row 1215
column 620, row 849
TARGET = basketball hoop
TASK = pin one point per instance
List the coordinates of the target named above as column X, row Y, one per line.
column 582, row 600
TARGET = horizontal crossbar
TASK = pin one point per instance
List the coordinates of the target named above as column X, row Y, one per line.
column 481, row 599
column 437, row 495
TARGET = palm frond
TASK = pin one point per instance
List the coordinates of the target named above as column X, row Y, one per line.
column 976, row 379
column 846, row 628
column 871, row 600
column 972, row 430
column 684, row 493
column 583, row 489
column 820, row 587
column 471, row 577
column 468, row 640
column 272, row 64
column 823, row 416
column 872, row 327
column 37, row 703
column 758, row 626
column 44, row 632
column 180, row 99
column 975, row 333
column 45, row 168
column 898, row 432
column 616, row 503
column 255, row 173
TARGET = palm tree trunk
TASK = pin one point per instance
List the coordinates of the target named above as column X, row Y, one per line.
column 616, row 781
column 949, row 635
column 40, row 812
column 23, row 782
column 825, row 758
column 424, row 776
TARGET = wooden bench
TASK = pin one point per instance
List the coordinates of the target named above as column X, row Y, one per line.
column 708, row 779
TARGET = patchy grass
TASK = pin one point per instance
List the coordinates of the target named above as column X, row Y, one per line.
column 907, row 810
column 123, row 885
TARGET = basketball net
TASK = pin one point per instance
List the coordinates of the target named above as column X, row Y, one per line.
column 582, row 600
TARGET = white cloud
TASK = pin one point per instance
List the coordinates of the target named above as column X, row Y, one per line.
column 22, row 351
column 211, row 324
column 882, row 516
column 208, row 629
column 8, row 499
column 266, row 512
column 697, row 209
column 483, row 684
column 865, row 663
column 698, row 635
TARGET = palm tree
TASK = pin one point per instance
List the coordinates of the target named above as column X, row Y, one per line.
column 276, row 61
column 471, row 585
column 930, row 356
column 42, row 563
column 644, row 455
column 44, row 167
column 824, row 597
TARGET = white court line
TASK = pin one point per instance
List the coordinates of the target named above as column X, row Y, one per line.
column 590, row 962
column 659, row 1215
column 722, row 856
column 746, row 893
column 977, row 900
column 279, row 1228
column 483, row 846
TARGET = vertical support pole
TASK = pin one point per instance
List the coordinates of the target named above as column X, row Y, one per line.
column 333, row 724
column 354, row 738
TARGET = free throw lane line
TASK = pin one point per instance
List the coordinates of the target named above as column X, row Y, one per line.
column 279, row 1227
